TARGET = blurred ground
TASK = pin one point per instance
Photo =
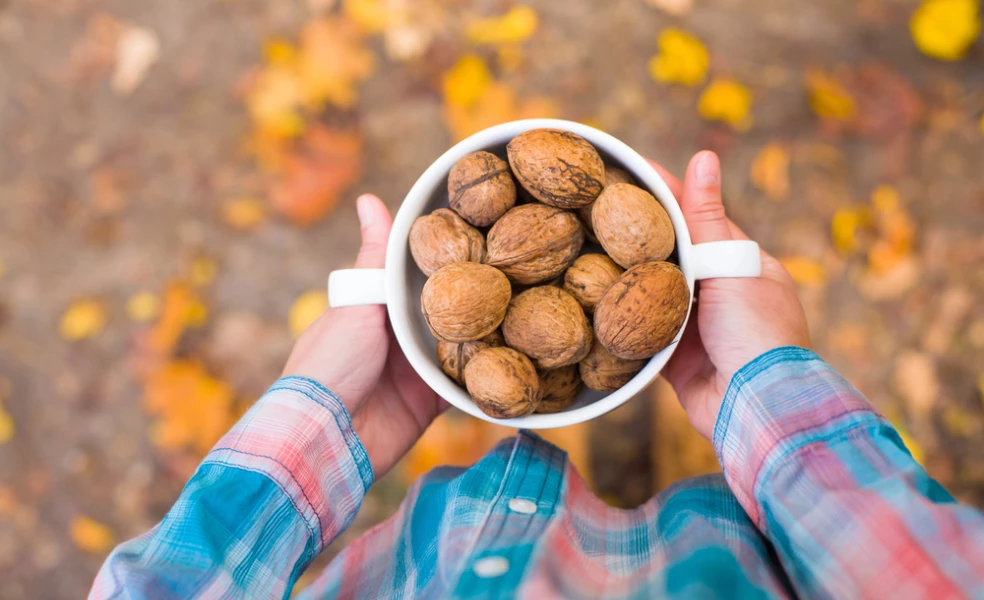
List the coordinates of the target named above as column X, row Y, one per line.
column 162, row 213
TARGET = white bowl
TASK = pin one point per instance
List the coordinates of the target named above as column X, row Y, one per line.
column 400, row 283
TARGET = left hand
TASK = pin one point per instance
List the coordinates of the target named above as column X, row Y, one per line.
column 352, row 352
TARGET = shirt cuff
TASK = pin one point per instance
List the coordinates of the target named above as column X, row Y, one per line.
column 782, row 401
column 300, row 435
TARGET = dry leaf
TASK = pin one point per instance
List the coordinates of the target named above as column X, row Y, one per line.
column 203, row 271
column 371, row 16
column 673, row 7
column 305, row 310
column 85, row 318
column 497, row 105
column 466, row 82
column 729, row 101
column 805, row 271
column 682, row 58
column 514, row 27
column 192, row 408
column 332, row 60
column 770, row 171
column 143, row 307
column 137, row 49
column 181, row 308
column 243, row 213
column 945, row 29
column 828, row 98
column 91, row 536
column 314, row 177
column 7, row 428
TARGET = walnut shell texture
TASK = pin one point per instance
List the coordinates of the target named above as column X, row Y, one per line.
column 481, row 188
column 502, row 383
column 463, row 302
column 558, row 168
column 615, row 175
column 642, row 311
column 589, row 277
column 632, row 226
column 534, row 243
column 559, row 388
column 454, row 357
column 602, row 371
column 584, row 213
column 548, row 325
column 443, row 238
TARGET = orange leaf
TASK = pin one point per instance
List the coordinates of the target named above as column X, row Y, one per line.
column 332, row 61
column 770, row 171
column 327, row 163
column 497, row 105
column 805, row 271
column 91, row 535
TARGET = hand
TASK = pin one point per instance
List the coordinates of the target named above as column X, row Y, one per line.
column 736, row 320
column 352, row 352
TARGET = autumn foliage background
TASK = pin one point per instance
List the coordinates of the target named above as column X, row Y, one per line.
column 177, row 179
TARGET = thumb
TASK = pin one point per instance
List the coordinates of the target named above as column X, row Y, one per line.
column 375, row 220
column 702, row 206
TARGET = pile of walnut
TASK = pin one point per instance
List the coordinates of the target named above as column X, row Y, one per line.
column 523, row 318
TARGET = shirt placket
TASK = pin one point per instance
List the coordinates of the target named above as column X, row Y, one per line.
column 527, row 501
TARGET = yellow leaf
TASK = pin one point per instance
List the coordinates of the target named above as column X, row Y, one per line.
column 915, row 449
column 514, row 27
column 305, row 309
column 197, row 315
column 729, row 101
column 770, row 171
column 372, row 16
column 828, row 98
column 83, row 319
column 273, row 101
column 843, row 230
column 466, row 82
column 181, row 308
column 243, row 213
column 91, row 535
column 279, row 51
column 143, row 307
column 885, row 199
column 192, row 408
column 7, row 428
column 333, row 59
column 509, row 57
column 497, row 105
column 203, row 270
column 805, row 271
column 682, row 59
column 945, row 29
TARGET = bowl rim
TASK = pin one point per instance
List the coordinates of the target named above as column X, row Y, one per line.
column 416, row 201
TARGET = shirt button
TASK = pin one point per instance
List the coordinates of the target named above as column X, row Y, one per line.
column 490, row 566
column 521, row 506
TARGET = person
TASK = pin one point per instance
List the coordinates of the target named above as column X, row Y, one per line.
column 818, row 496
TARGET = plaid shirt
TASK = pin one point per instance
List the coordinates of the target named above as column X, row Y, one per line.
column 818, row 498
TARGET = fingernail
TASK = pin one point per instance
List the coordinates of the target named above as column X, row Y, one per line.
column 364, row 207
column 708, row 169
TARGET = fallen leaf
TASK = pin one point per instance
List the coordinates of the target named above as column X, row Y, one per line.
column 181, row 308
column 91, row 536
column 7, row 428
column 202, row 271
column 279, row 52
column 770, row 171
column 892, row 284
column 514, row 27
column 727, row 100
column 371, row 16
column 466, row 82
column 509, row 58
column 945, row 29
column 326, row 163
column 914, row 448
column 305, row 310
column 497, row 105
column 828, row 98
column 274, row 100
column 682, row 58
column 243, row 213
column 673, row 7
column 805, row 271
column 143, row 307
column 332, row 60
column 137, row 49
column 192, row 409
column 85, row 318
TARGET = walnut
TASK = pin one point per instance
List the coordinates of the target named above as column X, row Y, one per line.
column 642, row 311
column 442, row 238
column 589, row 277
column 632, row 226
column 454, row 357
column 558, row 388
column 481, row 188
column 502, row 383
column 602, row 371
column 463, row 302
column 613, row 175
column 533, row 243
column 547, row 324
column 558, row 168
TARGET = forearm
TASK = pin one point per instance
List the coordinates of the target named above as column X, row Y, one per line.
column 274, row 492
column 830, row 483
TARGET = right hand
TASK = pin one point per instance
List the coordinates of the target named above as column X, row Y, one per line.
column 736, row 319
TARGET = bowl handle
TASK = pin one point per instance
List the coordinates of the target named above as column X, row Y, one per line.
column 730, row 258
column 356, row 287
